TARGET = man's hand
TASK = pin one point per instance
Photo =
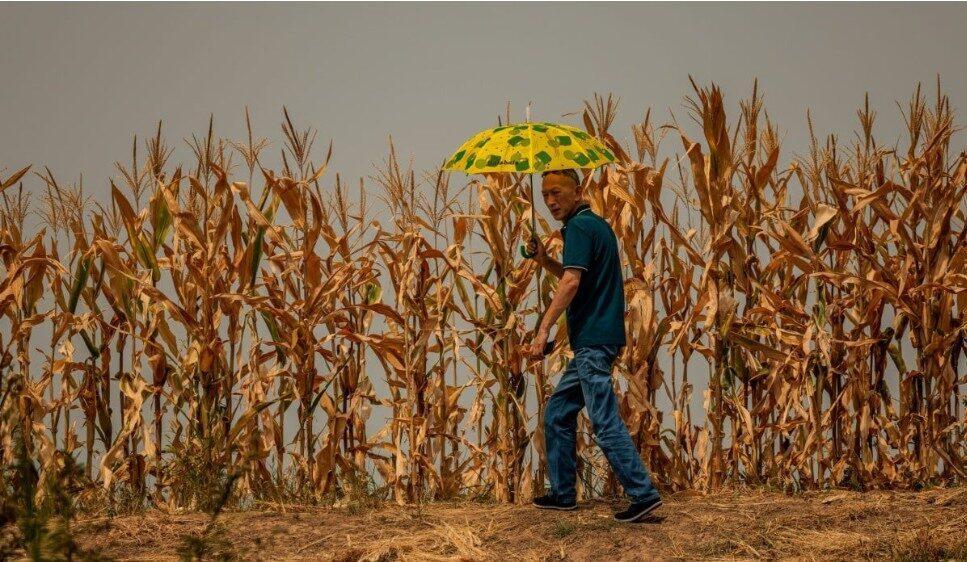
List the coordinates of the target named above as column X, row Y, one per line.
column 563, row 296
column 536, row 249
column 536, row 348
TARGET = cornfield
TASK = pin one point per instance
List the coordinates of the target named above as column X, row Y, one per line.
column 220, row 327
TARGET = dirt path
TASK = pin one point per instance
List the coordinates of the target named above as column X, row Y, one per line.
column 929, row 525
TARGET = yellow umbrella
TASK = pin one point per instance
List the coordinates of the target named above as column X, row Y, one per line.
column 528, row 148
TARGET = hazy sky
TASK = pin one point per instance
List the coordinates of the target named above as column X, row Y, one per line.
column 79, row 80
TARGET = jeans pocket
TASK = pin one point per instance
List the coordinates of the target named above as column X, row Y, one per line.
column 607, row 353
column 596, row 361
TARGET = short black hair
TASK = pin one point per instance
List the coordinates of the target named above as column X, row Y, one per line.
column 569, row 172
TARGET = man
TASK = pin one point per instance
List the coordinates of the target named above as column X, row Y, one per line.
column 592, row 290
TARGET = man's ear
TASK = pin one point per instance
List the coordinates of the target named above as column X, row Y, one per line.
column 579, row 190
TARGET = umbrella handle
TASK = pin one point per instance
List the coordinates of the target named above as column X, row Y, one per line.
column 523, row 248
column 524, row 252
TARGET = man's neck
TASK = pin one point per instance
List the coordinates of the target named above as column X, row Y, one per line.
column 577, row 209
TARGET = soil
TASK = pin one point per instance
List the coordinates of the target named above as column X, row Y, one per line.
column 926, row 525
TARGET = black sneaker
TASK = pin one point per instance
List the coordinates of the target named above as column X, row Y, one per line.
column 638, row 511
column 550, row 502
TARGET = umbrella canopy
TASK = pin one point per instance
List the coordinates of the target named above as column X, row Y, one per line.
column 529, row 148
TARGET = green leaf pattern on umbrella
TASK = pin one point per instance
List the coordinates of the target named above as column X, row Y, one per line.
column 555, row 136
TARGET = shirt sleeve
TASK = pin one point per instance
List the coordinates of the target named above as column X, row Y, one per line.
column 578, row 244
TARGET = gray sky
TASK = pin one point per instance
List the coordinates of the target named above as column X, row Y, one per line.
column 80, row 80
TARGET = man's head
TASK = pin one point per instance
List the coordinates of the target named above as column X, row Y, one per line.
column 562, row 191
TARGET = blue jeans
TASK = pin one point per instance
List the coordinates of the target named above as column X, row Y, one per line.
column 587, row 382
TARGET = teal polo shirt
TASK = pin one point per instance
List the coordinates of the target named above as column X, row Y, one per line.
column 596, row 316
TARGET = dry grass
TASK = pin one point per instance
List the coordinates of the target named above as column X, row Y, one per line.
column 726, row 525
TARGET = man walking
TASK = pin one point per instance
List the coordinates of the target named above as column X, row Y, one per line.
column 591, row 289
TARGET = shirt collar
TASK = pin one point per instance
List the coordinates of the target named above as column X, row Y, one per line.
column 581, row 207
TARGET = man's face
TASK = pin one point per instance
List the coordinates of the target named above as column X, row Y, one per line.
column 561, row 195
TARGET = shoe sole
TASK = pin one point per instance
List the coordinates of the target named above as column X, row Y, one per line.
column 649, row 511
column 562, row 508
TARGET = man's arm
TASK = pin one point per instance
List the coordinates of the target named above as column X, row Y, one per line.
column 567, row 287
column 553, row 266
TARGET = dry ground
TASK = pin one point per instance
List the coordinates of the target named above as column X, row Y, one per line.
column 929, row 525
